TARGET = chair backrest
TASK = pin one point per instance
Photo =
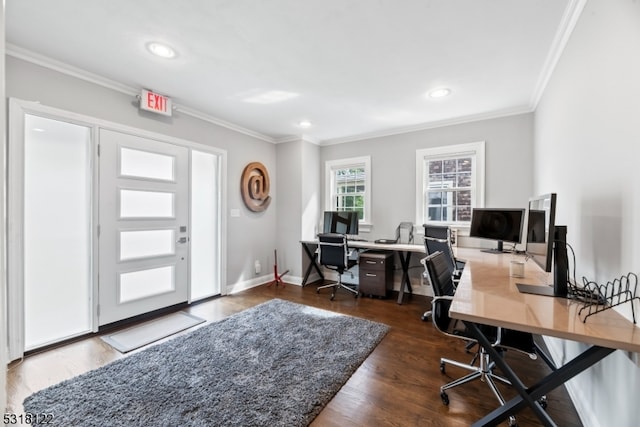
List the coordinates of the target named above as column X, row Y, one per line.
column 437, row 238
column 334, row 250
column 404, row 233
column 439, row 276
column 442, row 285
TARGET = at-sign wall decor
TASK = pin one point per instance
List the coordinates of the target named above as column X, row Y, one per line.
column 255, row 187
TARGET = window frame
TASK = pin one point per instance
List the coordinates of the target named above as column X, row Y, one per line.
column 364, row 225
column 476, row 150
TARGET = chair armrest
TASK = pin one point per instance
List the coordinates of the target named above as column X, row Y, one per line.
column 443, row 298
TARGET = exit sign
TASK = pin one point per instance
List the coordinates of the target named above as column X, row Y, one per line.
column 155, row 103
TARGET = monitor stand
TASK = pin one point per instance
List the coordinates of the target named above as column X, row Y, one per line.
column 497, row 250
column 560, row 269
column 523, row 288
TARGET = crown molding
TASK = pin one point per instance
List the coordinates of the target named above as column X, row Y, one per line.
column 430, row 125
column 567, row 24
column 216, row 121
column 64, row 68
column 294, row 138
column 70, row 70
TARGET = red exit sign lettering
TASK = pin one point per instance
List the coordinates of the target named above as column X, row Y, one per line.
column 155, row 103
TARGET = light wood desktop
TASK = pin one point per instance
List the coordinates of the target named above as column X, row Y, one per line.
column 487, row 295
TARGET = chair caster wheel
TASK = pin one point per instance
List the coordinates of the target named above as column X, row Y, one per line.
column 513, row 422
column 332, row 297
column 543, row 402
column 442, row 367
column 445, row 398
column 317, row 291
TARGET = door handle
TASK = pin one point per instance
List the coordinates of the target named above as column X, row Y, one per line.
column 182, row 240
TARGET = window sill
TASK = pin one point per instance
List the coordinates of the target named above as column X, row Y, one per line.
column 365, row 227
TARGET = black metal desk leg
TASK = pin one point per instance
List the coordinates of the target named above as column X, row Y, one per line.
column 529, row 396
column 313, row 256
column 405, row 259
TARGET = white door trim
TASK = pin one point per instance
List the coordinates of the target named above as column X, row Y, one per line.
column 15, row 190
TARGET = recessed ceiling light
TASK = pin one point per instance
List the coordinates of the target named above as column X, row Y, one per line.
column 304, row 124
column 439, row 93
column 162, row 50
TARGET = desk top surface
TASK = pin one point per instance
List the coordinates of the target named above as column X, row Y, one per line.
column 487, row 294
column 364, row 244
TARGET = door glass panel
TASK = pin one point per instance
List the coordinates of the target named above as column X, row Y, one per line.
column 147, row 243
column 205, row 236
column 57, row 230
column 143, row 164
column 145, row 283
column 146, row 204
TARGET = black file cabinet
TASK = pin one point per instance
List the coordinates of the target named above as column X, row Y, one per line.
column 376, row 273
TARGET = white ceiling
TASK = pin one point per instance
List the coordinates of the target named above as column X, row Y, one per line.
column 354, row 68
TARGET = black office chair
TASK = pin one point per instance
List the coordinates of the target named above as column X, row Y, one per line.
column 334, row 254
column 503, row 339
column 404, row 233
column 438, row 238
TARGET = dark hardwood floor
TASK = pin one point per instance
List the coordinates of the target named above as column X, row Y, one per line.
column 397, row 385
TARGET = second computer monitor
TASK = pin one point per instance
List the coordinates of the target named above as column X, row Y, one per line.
column 341, row 222
column 502, row 225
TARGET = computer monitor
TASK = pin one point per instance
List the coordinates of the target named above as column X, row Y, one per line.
column 341, row 222
column 547, row 246
column 502, row 225
column 541, row 229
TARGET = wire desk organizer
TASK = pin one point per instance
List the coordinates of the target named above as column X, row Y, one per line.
column 597, row 298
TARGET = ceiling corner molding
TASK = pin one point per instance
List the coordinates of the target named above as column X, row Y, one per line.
column 64, row 68
column 290, row 138
column 430, row 125
column 567, row 24
column 311, row 140
column 295, row 138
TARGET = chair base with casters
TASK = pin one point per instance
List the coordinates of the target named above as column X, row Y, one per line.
column 336, row 286
column 334, row 255
column 483, row 372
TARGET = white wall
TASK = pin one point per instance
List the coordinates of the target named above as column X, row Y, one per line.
column 250, row 236
column 587, row 148
column 289, row 185
column 298, row 204
column 509, row 170
column 3, row 287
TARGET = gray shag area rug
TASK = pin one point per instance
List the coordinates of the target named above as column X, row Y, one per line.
column 275, row 364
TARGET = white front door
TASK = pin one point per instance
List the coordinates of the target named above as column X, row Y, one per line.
column 144, row 225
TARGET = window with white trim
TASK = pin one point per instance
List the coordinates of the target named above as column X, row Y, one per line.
column 348, row 186
column 449, row 183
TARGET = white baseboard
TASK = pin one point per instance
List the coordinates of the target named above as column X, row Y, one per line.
column 417, row 286
column 248, row 284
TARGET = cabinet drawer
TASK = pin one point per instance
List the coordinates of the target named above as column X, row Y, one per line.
column 376, row 283
column 376, row 261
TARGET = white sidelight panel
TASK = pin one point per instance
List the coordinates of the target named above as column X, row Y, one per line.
column 205, row 235
column 57, row 230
